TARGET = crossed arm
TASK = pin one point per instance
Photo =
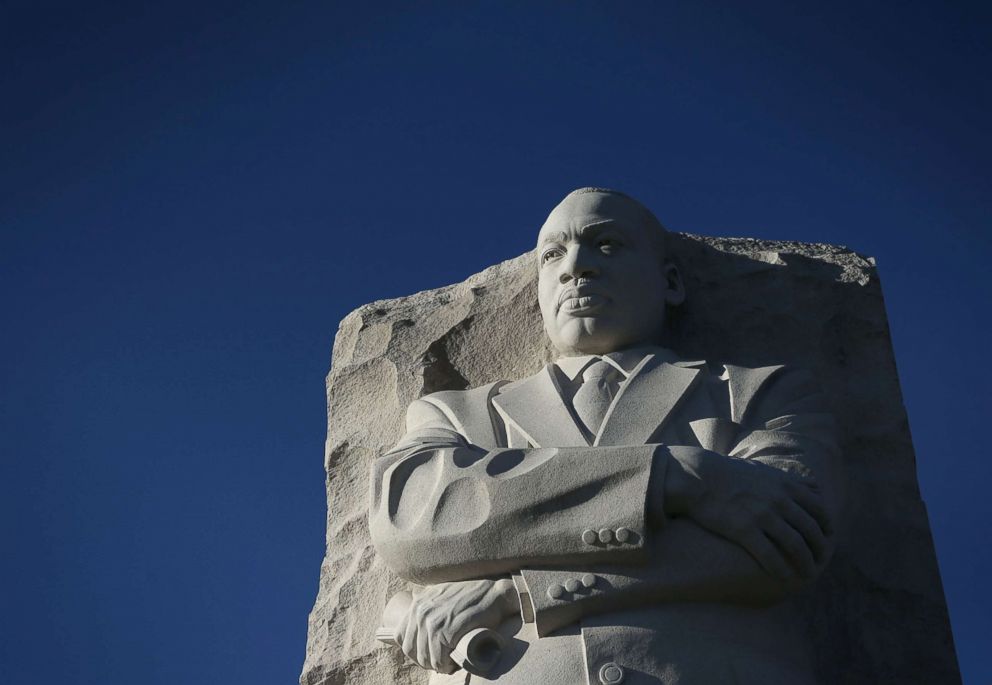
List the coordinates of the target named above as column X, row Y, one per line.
column 685, row 524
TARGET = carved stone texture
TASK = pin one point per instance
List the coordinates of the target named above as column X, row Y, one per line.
column 876, row 615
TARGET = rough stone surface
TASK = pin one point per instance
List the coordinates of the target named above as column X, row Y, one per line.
column 877, row 615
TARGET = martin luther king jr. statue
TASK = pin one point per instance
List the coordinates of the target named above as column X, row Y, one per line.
column 624, row 515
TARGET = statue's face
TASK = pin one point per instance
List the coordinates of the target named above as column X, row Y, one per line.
column 602, row 286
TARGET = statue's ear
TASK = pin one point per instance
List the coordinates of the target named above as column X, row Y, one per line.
column 674, row 288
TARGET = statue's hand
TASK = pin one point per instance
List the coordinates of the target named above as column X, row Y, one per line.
column 441, row 614
column 777, row 517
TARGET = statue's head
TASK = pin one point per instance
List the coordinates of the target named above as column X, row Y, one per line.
column 605, row 278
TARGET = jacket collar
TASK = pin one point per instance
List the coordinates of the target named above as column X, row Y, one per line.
column 657, row 381
column 625, row 361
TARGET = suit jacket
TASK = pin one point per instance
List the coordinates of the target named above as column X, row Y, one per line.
column 501, row 480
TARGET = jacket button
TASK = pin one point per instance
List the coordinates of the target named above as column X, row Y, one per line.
column 623, row 534
column 605, row 535
column 589, row 537
column 588, row 580
column 611, row 674
column 572, row 585
column 556, row 591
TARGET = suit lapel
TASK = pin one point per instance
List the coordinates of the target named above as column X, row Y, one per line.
column 535, row 407
column 646, row 401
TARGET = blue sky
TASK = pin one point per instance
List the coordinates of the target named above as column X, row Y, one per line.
column 192, row 195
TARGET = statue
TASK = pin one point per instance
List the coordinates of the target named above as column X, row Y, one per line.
column 623, row 515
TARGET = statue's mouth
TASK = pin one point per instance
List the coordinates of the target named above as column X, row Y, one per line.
column 579, row 303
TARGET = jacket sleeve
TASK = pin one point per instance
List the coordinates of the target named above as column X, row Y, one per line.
column 785, row 426
column 443, row 509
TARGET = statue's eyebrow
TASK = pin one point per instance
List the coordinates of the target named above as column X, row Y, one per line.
column 558, row 237
column 591, row 229
column 584, row 231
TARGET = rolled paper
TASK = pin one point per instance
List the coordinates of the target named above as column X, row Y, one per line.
column 479, row 651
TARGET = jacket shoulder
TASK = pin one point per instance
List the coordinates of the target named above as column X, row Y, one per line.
column 469, row 412
column 778, row 388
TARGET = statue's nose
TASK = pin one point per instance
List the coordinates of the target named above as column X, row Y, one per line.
column 577, row 264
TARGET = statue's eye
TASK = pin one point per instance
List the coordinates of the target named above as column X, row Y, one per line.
column 553, row 253
column 608, row 245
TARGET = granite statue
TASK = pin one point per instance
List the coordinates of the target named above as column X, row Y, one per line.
column 624, row 515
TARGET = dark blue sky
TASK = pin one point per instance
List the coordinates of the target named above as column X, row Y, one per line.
column 192, row 195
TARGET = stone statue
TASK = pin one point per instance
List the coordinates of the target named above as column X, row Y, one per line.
column 623, row 515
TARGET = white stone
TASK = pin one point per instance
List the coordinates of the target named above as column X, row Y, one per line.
column 750, row 303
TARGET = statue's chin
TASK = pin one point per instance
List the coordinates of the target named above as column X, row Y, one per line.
column 583, row 336
column 594, row 335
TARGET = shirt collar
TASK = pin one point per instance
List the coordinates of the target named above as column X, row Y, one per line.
column 625, row 361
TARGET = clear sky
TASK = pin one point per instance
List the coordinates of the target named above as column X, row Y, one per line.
column 192, row 195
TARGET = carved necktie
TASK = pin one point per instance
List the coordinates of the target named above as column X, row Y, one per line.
column 594, row 396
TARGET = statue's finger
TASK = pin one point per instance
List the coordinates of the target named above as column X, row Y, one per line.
column 438, row 652
column 409, row 643
column 812, row 502
column 792, row 544
column 423, row 647
column 807, row 526
column 766, row 554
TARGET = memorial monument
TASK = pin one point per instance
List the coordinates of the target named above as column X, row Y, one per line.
column 680, row 484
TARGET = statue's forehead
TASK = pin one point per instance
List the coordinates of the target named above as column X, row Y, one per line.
column 587, row 209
